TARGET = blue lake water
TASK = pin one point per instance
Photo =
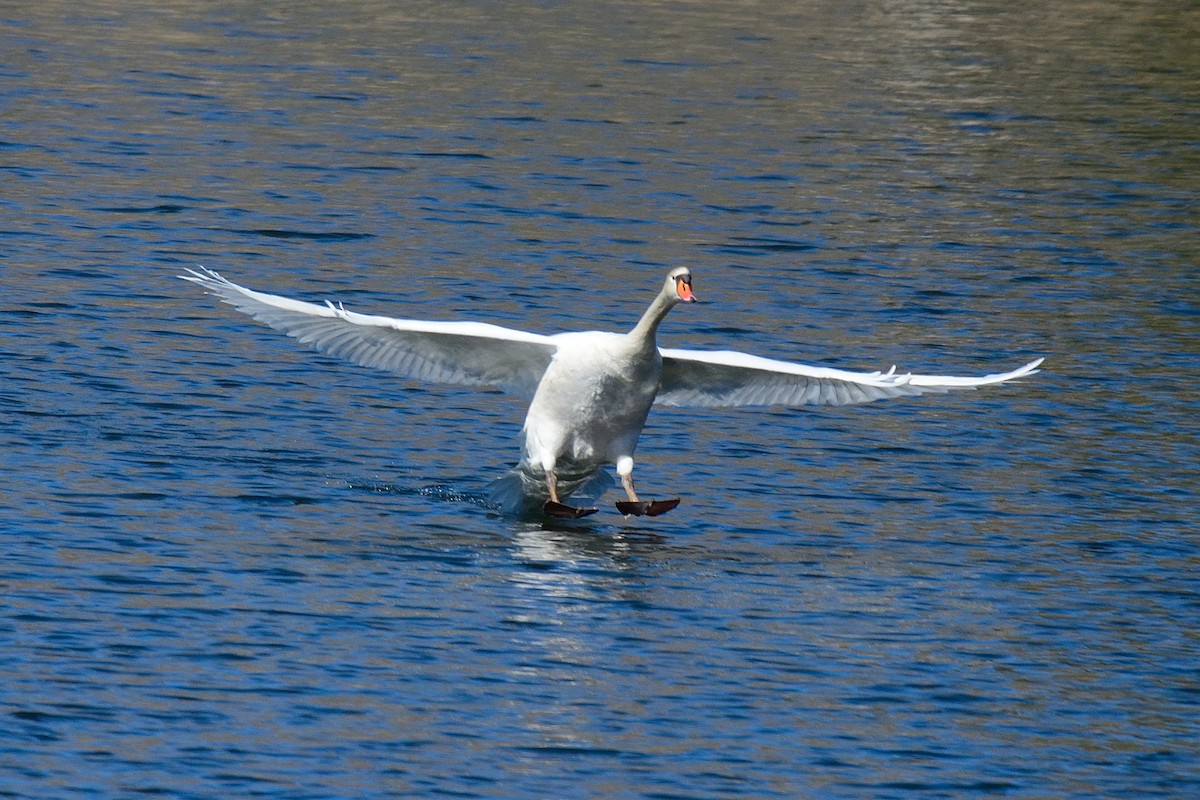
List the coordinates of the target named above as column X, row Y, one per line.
column 231, row 567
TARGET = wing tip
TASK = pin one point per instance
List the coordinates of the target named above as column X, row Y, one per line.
column 1029, row 369
column 208, row 278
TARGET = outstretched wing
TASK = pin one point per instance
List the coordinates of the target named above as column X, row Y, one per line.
column 725, row 378
column 467, row 353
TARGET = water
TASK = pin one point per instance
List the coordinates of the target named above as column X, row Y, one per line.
column 235, row 568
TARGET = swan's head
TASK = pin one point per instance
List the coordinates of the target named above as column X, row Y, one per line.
column 678, row 286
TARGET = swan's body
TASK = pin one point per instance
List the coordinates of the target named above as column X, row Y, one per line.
column 589, row 392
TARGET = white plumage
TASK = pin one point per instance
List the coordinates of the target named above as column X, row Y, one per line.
column 589, row 392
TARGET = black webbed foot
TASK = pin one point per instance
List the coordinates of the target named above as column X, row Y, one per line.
column 561, row 511
column 646, row 508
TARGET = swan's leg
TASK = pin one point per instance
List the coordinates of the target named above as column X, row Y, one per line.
column 553, row 508
column 635, row 507
column 627, row 484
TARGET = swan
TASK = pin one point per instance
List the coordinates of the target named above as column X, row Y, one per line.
column 589, row 392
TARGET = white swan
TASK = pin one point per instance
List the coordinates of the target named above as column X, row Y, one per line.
column 589, row 392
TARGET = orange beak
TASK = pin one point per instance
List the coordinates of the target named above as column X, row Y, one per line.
column 683, row 288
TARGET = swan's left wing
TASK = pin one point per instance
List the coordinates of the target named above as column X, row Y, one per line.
column 724, row 378
column 468, row 353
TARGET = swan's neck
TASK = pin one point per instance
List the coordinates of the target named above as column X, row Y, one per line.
column 647, row 327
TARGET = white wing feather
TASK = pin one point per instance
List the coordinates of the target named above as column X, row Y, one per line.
column 467, row 353
column 725, row 379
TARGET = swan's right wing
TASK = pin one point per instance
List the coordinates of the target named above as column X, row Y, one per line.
column 467, row 353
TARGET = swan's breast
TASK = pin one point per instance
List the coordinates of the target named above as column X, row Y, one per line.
column 596, row 391
column 602, row 371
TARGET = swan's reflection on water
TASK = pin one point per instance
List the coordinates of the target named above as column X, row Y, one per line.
column 585, row 604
